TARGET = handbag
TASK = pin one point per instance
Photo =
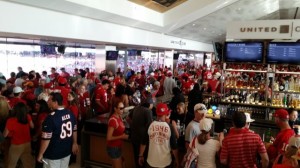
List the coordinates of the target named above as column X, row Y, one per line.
column 192, row 155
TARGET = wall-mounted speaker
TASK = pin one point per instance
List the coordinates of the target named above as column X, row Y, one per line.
column 61, row 49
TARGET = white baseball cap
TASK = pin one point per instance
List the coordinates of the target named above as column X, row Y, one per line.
column 206, row 124
column 201, row 107
column 17, row 89
column 248, row 118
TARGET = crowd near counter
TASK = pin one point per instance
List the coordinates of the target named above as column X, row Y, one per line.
column 162, row 114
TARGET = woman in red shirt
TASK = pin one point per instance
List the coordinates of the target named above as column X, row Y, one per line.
column 42, row 110
column 73, row 105
column 18, row 129
column 115, row 134
column 84, row 101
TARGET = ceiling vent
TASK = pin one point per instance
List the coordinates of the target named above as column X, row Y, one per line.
column 165, row 3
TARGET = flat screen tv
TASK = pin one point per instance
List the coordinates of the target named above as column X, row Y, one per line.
column 244, row 52
column 112, row 55
column 132, row 53
column 283, row 53
column 48, row 50
column 176, row 56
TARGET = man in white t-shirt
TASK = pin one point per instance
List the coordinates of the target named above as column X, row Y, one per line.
column 193, row 129
column 162, row 140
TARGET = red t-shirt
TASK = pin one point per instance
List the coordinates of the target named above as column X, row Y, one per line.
column 65, row 75
column 280, row 143
column 53, row 76
column 74, row 110
column 101, row 95
column 15, row 100
column 213, row 85
column 117, row 80
column 119, row 129
column 241, row 148
column 40, row 119
column 84, row 101
column 207, row 75
column 19, row 133
column 29, row 95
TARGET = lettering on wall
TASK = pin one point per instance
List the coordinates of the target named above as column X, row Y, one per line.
column 264, row 29
column 180, row 42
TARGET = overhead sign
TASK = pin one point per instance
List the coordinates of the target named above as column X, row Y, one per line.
column 264, row 29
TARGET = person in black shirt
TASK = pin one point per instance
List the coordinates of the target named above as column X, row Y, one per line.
column 194, row 97
column 59, row 135
column 177, row 98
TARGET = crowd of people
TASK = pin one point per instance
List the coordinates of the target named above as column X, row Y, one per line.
column 42, row 116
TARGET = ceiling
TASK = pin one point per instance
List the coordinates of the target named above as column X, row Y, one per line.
column 198, row 20
column 159, row 5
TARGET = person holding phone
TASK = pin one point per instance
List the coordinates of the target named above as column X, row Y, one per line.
column 116, row 134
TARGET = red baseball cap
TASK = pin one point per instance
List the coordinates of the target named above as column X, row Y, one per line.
column 62, row 80
column 281, row 113
column 169, row 73
column 48, row 86
column 162, row 109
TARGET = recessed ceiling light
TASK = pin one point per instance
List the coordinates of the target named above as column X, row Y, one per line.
column 204, row 28
column 239, row 9
column 194, row 24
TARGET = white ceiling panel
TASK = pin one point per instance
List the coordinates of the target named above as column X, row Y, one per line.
column 205, row 23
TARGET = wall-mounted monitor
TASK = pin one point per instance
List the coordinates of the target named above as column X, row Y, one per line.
column 48, row 50
column 112, row 55
column 244, row 52
column 283, row 53
column 176, row 56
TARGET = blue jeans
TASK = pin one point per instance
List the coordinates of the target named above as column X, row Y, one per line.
column 114, row 152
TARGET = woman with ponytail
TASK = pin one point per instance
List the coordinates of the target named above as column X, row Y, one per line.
column 206, row 146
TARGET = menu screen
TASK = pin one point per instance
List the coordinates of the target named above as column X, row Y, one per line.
column 244, row 52
column 112, row 55
column 283, row 53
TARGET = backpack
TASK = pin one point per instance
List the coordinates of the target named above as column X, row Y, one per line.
column 191, row 155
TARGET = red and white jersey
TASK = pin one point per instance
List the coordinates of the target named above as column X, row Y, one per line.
column 101, row 95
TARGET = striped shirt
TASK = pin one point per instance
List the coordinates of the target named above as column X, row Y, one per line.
column 241, row 147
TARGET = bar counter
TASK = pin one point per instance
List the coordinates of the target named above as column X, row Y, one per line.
column 93, row 145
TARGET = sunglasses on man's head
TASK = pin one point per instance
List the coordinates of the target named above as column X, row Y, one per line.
column 202, row 108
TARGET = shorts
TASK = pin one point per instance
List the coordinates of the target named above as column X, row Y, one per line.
column 114, row 152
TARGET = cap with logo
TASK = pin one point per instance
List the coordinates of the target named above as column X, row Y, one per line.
column 201, row 107
column 281, row 113
column 162, row 109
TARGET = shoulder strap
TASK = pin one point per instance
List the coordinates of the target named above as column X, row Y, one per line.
column 280, row 159
column 194, row 142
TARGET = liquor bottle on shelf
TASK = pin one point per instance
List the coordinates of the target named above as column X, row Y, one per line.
column 252, row 98
column 268, row 135
column 286, row 85
column 236, row 97
column 292, row 85
column 284, row 101
column 281, row 86
column 296, row 85
column 276, row 86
